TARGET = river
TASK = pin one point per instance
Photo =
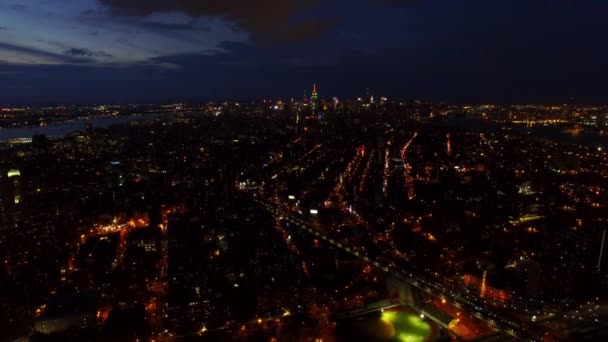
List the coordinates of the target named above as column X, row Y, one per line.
column 58, row 130
column 554, row 133
column 64, row 128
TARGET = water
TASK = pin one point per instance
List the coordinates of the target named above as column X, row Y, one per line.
column 553, row 133
column 557, row 134
column 62, row 129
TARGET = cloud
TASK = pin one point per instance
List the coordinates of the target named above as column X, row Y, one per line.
column 394, row 3
column 169, row 26
column 12, row 53
column 75, row 52
column 92, row 15
column 240, row 56
column 305, row 30
column 269, row 21
column 18, row 7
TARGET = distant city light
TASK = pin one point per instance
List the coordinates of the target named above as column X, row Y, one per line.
column 362, row 179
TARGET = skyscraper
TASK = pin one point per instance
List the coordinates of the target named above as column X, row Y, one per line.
column 14, row 176
column 10, row 198
column 314, row 99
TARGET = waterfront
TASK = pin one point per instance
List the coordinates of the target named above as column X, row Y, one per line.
column 563, row 134
column 62, row 129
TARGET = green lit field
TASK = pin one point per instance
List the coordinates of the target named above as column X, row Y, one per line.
column 405, row 327
column 390, row 326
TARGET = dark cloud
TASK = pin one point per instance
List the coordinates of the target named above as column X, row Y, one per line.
column 131, row 25
column 241, row 55
column 156, row 25
column 18, row 7
column 75, row 52
column 305, row 30
column 2, row 28
column 394, row 3
column 33, row 55
column 269, row 20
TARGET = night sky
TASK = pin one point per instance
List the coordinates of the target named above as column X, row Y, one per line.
column 126, row 51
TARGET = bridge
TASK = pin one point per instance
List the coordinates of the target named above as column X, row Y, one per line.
column 374, row 307
column 472, row 304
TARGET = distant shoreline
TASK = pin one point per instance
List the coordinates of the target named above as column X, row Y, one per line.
column 63, row 128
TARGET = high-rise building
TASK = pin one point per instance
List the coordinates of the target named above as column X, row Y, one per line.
column 14, row 176
column 314, row 99
column 10, row 198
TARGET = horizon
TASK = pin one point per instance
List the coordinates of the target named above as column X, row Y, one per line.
column 108, row 51
column 202, row 101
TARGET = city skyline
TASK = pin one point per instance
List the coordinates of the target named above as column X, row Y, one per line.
column 477, row 52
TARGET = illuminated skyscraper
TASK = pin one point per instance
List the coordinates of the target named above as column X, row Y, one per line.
column 314, row 99
column 14, row 176
column 10, row 198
